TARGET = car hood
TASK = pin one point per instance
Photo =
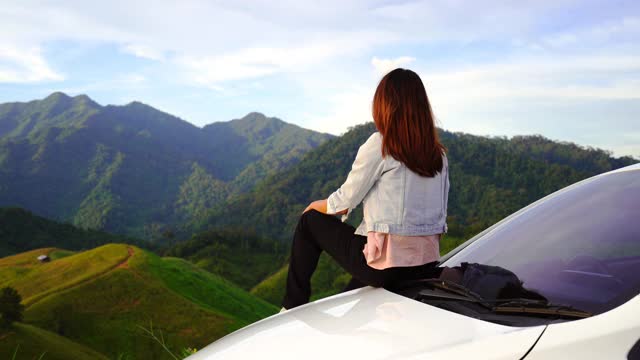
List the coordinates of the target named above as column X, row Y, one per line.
column 371, row 323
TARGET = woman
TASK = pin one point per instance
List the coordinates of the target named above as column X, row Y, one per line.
column 400, row 174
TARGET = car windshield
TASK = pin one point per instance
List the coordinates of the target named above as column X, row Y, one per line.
column 579, row 248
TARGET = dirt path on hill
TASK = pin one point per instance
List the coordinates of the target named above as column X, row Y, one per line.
column 124, row 264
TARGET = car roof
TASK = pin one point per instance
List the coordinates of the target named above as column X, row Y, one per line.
column 626, row 168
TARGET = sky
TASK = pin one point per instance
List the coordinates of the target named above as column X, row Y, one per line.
column 568, row 70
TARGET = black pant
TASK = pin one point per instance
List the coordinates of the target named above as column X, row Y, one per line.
column 317, row 232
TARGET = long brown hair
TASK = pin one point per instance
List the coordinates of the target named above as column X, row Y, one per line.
column 402, row 114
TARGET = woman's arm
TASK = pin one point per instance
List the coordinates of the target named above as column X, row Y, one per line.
column 365, row 171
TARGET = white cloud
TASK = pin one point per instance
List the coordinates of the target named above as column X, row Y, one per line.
column 560, row 40
column 256, row 62
column 383, row 66
column 125, row 83
column 212, row 42
column 143, row 51
column 456, row 91
column 552, row 79
column 19, row 65
column 619, row 30
column 465, row 21
column 346, row 109
column 468, row 97
column 245, row 64
column 625, row 26
column 241, row 40
column 132, row 78
column 550, row 96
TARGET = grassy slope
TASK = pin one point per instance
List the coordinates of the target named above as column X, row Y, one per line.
column 234, row 266
column 229, row 253
column 32, row 342
column 105, row 310
column 59, row 254
column 328, row 279
column 37, row 280
column 271, row 289
column 210, row 291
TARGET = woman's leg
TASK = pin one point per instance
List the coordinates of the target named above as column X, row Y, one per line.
column 314, row 233
column 317, row 232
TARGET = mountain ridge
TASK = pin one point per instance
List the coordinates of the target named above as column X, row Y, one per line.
column 58, row 97
column 133, row 169
column 490, row 179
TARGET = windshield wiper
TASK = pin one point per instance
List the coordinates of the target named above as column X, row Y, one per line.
column 522, row 306
column 539, row 307
column 460, row 292
column 453, row 287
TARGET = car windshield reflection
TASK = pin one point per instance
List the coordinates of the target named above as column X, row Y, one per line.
column 578, row 250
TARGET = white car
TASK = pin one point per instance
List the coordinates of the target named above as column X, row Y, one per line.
column 558, row 279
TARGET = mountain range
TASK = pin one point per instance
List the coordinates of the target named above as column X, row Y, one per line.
column 133, row 169
column 137, row 171
column 491, row 177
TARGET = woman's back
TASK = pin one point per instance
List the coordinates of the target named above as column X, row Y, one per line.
column 396, row 200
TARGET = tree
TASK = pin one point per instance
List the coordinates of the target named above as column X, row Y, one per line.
column 10, row 307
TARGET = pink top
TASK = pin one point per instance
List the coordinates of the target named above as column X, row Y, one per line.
column 389, row 250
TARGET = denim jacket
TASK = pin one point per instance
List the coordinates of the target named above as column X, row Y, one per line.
column 396, row 200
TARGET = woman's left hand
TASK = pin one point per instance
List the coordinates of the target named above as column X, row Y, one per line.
column 318, row 205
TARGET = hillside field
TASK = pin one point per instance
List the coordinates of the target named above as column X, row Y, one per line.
column 101, row 299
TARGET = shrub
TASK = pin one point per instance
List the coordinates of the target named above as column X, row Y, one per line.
column 10, row 307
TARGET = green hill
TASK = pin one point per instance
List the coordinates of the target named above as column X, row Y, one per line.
column 21, row 230
column 29, row 342
column 256, row 146
column 133, row 169
column 230, row 252
column 328, row 279
column 102, row 298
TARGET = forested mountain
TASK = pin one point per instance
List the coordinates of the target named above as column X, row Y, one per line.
column 490, row 178
column 20, row 230
column 133, row 169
